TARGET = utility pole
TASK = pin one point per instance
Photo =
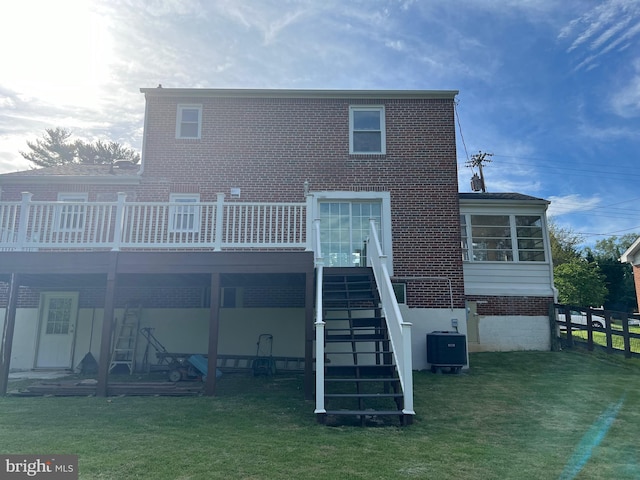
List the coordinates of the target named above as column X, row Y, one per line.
column 478, row 160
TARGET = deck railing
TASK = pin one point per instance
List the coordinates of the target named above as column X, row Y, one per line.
column 399, row 330
column 29, row 225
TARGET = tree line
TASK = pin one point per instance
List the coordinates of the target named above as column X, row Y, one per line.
column 56, row 147
column 592, row 276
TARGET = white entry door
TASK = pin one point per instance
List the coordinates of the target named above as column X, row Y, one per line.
column 58, row 315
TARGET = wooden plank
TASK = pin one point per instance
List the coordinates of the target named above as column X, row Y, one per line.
column 214, row 327
column 6, row 342
column 107, row 327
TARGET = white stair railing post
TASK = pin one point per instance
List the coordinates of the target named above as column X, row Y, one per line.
column 310, row 237
column 217, row 234
column 319, row 323
column 25, row 208
column 408, row 369
column 118, row 228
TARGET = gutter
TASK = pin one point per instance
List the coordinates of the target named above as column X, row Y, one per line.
column 288, row 93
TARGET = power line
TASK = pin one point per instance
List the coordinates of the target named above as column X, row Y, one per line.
column 610, row 233
column 581, row 172
column 455, row 109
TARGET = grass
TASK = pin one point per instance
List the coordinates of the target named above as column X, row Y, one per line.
column 600, row 337
column 521, row 415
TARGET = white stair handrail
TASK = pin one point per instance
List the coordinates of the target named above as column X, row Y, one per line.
column 399, row 330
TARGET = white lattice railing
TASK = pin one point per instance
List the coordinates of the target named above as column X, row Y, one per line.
column 399, row 330
column 29, row 225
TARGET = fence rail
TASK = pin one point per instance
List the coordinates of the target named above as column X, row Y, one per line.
column 29, row 225
column 611, row 330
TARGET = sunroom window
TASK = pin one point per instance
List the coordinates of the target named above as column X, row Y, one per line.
column 367, row 130
column 502, row 238
column 530, row 241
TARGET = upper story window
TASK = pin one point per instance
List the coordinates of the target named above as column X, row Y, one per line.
column 367, row 130
column 189, row 121
column 502, row 238
column 71, row 216
column 184, row 214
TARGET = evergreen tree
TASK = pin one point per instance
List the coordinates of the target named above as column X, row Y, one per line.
column 54, row 148
column 57, row 148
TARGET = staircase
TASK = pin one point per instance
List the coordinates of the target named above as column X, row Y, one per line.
column 361, row 381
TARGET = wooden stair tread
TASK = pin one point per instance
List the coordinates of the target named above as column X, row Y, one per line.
column 363, row 395
column 367, row 379
column 355, row 338
column 364, row 412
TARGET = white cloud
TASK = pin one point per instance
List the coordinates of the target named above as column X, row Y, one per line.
column 625, row 101
column 600, row 30
column 569, row 204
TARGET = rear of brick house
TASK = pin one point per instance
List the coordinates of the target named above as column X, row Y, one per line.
column 262, row 191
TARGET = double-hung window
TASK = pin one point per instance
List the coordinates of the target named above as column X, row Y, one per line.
column 502, row 238
column 184, row 214
column 70, row 217
column 189, row 121
column 367, row 130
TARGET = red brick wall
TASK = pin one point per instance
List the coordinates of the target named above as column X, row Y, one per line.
column 268, row 147
column 488, row 305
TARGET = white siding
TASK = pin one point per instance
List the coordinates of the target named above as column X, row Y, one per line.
column 531, row 279
column 507, row 279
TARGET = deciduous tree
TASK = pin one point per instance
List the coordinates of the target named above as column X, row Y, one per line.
column 580, row 283
column 618, row 276
column 564, row 244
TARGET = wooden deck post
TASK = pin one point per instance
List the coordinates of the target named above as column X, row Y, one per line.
column 107, row 328
column 625, row 335
column 214, row 327
column 7, row 333
column 309, row 335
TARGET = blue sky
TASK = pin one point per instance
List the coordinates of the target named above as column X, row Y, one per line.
column 551, row 88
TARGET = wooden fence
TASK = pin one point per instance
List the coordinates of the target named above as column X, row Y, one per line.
column 610, row 330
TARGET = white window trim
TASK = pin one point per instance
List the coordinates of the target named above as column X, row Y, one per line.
column 514, row 238
column 184, row 198
column 179, row 122
column 60, row 212
column 383, row 135
column 383, row 197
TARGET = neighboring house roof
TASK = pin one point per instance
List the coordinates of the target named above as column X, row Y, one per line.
column 632, row 254
column 119, row 173
column 283, row 93
column 511, row 197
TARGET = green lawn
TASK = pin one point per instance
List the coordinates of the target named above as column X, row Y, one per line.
column 517, row 415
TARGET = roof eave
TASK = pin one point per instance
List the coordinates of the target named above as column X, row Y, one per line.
column 62, row 179
column 504, row 201
column 630, row 255
column 288, row 93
